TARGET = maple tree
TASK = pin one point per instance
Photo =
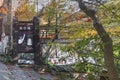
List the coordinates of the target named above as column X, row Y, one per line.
column 108, row 45
column 77, row 26
column 110, row 19
column 3, row 10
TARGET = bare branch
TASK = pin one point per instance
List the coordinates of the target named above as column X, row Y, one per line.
column 41, row 11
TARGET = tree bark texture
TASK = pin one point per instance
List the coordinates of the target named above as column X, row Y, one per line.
column 107, row 41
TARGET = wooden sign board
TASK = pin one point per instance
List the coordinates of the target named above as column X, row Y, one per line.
column 25, row 42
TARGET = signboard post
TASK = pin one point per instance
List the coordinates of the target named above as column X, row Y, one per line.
column 36, row 42
column 1, row 21
column 26, row 40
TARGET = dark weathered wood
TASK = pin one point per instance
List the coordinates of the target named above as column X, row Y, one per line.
column 1, row 21
column 36, row 39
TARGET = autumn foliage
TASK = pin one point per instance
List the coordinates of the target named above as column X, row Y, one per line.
column 25, row 11
column 3, row 10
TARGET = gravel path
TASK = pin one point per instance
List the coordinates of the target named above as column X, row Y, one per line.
column 8, row 72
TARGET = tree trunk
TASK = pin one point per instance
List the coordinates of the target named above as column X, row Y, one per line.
column 108, row 51
column 108, row 45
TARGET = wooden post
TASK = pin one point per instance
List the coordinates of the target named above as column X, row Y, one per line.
column 36, row 43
